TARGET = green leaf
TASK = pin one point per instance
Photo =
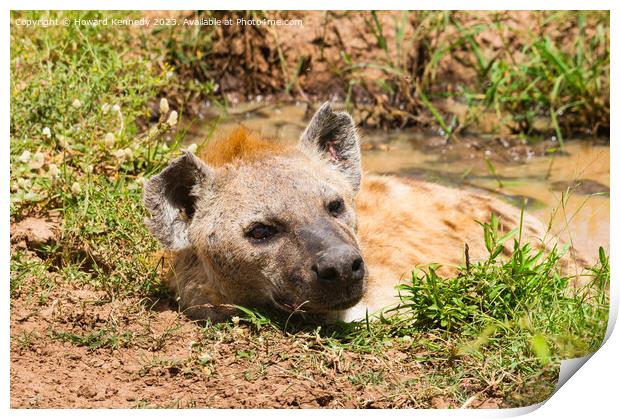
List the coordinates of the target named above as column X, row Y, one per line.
column 541, row 349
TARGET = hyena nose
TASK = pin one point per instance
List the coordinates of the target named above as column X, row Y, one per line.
column 339, row 264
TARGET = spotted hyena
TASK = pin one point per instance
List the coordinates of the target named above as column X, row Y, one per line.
column 255, row 223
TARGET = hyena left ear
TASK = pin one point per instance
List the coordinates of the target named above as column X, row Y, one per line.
column 171, row 199
column 334, row 135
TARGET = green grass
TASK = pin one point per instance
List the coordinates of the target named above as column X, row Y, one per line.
column 83, row 85
column 102, row 338
column 533, row 75
column 525, row 296
column 568, row 82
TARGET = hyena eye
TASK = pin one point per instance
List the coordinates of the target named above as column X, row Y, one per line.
column 335, row 207
column 261, row 232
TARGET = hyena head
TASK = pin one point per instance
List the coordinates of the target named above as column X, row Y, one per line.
column 272, row 226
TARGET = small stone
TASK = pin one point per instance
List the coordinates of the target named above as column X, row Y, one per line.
column 86, row 391
column 35, row 231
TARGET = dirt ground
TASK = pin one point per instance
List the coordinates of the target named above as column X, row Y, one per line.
column 164, row 366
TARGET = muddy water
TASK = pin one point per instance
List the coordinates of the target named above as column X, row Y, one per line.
column 542, row 178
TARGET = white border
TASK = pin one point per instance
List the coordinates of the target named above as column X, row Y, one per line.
column 592, row 392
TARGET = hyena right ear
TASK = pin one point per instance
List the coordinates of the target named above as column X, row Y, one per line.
column 334, row 135
column 171, row 198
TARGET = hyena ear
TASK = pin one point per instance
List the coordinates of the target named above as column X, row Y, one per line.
column 171, row 198
column 334, row 135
